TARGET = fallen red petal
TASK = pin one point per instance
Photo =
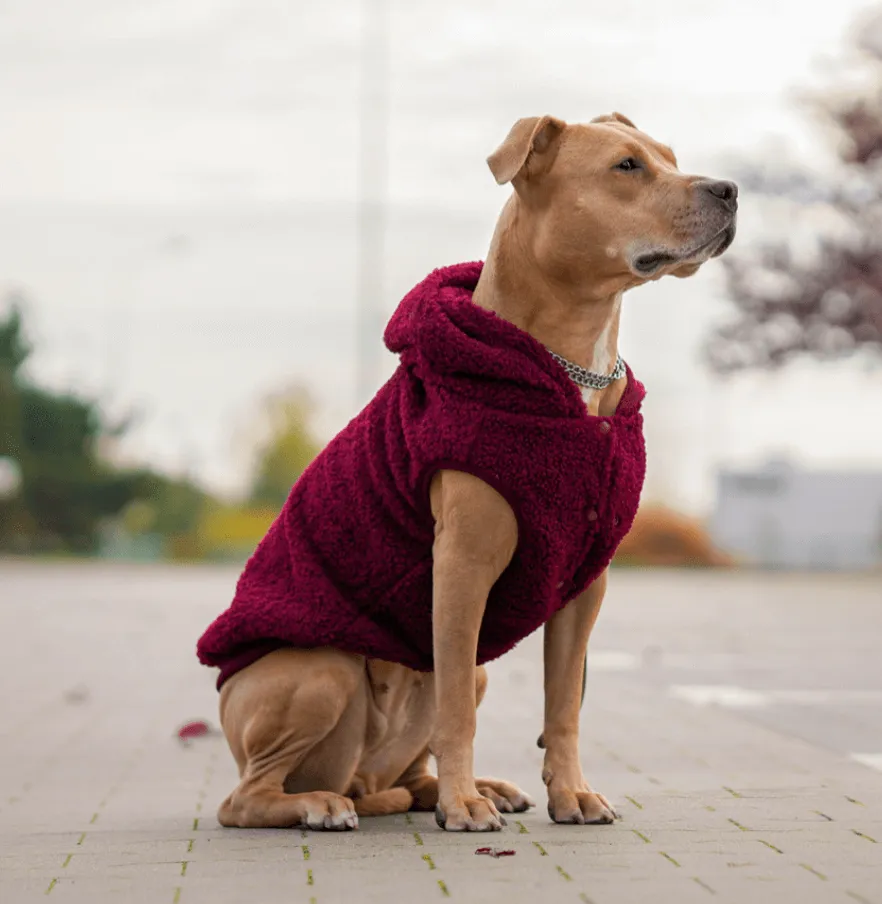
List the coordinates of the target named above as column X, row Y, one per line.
column 194, row 730
column 495, row 852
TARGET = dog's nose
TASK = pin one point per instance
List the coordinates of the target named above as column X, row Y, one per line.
column 727, row 192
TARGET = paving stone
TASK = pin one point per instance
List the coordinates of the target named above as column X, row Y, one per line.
column 99, row 802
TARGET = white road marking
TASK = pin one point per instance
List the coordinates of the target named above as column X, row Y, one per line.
column 719, row 695
column 873, row 760
column 612, row 661
column 741, row 697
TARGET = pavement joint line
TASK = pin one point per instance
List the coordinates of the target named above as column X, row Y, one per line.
column 641, row 836
column 863, row 835
column 564, row 874
column 769, row 789
column 768, row 844
column 669, row 858
column 636, row 804
column 541, row 849
column 703, row 885
column 127, row 768
column 813, row 871
column 429, row 861
column 522, row 829
column 305, row 849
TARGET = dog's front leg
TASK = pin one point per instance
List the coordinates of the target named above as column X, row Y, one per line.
column 475, row 539
column 570, row 797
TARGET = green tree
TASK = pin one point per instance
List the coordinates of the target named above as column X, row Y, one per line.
column 286, row 451
column 172, row 508
column 14, row 352
column 67, row 490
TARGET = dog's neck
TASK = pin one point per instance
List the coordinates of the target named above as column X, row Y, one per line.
column 583, row 331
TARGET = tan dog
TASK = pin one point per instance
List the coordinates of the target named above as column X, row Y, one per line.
column 322, row 736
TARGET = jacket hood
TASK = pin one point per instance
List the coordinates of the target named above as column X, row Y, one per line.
column 442, row 336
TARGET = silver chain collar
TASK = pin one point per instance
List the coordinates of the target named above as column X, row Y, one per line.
column 581, row 376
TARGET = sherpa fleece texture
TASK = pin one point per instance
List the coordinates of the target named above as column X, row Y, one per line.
column 348, row 561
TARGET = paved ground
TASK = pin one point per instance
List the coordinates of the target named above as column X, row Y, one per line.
column 735, row 720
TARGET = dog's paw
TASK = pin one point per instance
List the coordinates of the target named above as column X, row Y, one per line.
column 329, row 812
column 469, row 814
column 580, row 808
column 507, row 798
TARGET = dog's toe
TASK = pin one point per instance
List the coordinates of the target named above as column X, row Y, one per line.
column 580, row 808
column 333, row 813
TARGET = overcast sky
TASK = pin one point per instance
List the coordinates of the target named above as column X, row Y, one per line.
column 177, row 188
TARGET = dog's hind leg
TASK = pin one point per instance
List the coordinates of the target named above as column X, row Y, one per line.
column 423, row 786
column 384, row 803
column 295, row 723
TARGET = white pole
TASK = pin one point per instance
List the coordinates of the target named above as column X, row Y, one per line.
column 371, row 188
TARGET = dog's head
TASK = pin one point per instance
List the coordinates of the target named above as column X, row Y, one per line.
column 603, row 203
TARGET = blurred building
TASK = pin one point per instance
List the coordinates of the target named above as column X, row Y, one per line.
column 782, row 517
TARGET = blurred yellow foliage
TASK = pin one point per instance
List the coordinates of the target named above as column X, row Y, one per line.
column 230, row 531
column 287, row 447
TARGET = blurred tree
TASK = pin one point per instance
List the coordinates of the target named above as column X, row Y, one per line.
column 14, row 519
column 171, row 507
column 830, row 305
column 66, row 488
column 287, row 449
column 14, row 351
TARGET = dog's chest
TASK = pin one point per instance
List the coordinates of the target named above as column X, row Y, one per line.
column 591, row 398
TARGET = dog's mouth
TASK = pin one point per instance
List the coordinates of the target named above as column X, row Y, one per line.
column 650, row 262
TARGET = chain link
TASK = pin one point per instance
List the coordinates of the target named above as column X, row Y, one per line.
column 581, row 376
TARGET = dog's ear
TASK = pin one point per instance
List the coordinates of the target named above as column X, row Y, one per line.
column 530, row 146
column 614, row 117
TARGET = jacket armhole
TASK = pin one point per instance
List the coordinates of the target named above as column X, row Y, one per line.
column 484, row 474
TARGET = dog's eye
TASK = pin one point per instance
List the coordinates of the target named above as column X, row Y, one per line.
column 628, row 165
